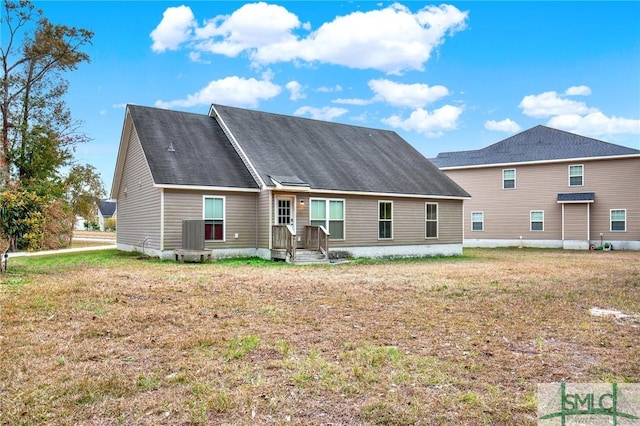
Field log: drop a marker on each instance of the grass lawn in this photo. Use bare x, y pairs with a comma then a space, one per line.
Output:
102, 338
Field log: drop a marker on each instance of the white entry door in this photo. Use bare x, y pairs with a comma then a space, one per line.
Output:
284, 210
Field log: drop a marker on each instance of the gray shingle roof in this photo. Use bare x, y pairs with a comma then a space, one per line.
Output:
539, 143
107, 208
188, 149
569, 197
334, 156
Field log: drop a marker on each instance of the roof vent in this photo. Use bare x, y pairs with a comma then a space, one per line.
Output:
170, 148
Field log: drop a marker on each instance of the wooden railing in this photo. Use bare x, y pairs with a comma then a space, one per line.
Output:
317, 238
284, 238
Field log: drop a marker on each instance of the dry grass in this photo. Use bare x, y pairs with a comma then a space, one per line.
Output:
102, 339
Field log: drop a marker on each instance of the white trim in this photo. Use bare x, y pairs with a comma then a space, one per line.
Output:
385, 220
531, 221
437, 221
234, 142
328, 218
588, 222
577, 202
569, 166
310, 191
387, 194
611, 221
224, 216
293, 200
471, 227
515, 178
205, 188
162, 219
562, 221
559, 160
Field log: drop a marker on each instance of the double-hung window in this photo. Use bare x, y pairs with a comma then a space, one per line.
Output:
576, 175
508, 178
537, 220
618, 220
431, 220
385, 220
477, 221
330, 214
214, 218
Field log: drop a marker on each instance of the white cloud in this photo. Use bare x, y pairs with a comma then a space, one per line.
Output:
253, 26
595, 124
234, 91
326, 89
431, 124
391, 39
407, 95
507, 125
548, 104
324, 113
576, 117
578, 91
353, 101
175, 28
295, 90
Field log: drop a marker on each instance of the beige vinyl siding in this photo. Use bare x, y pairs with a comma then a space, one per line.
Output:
506, 212
138, 201
575, 225
240, 217
361, 221
264, 224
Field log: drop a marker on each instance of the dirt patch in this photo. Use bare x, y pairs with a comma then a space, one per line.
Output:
446, 341
102, 235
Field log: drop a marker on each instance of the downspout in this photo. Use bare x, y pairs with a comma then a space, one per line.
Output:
562, 221
463, 213
161, 221
270, 219
588, 222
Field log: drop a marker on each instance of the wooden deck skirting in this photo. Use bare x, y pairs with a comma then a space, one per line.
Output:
181, 253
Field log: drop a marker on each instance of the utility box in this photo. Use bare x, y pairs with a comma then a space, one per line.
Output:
193, 234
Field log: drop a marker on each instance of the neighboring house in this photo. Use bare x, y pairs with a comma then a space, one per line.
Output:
266, 184
106, 209
549, 188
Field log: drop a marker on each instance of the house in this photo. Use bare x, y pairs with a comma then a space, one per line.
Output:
271, 185
105, 210
549, 188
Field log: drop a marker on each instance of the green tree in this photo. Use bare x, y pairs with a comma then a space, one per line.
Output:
84, 190
20, 214
38, 133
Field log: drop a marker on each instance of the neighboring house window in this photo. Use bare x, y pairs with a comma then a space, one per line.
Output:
330, 214
576, 175
508, 179
214, 218
385, 220
431, 219
477, 221
619, 220
537, 220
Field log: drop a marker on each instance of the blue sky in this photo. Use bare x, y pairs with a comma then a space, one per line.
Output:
445, 76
